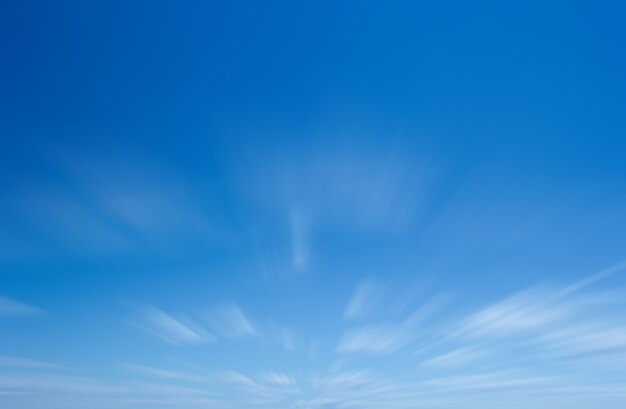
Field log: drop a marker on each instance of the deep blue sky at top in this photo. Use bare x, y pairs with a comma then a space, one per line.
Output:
488, 76
514, 111
531, 92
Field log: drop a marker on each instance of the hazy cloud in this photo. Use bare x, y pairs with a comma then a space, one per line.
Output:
11, 307
456, 357
230, 322
363, 300
14, 362
387, 338
170, 329
300, 239
167, 374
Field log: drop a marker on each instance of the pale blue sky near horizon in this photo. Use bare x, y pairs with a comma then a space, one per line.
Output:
312, 205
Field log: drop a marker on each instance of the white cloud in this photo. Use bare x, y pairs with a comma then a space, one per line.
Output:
11, 307
375, 339
241, 380
112, 204
167, 374
300, 239
536, 346
278, 378
59, 391
495, 380
584, 338
387, 338
350, 186
527, 311
313, 349
267, 390
558, 324
14, 362
344, 379
173, 330
363, 300
457, 357
287, 338
230, 322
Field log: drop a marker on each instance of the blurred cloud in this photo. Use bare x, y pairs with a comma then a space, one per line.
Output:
11, 307
287, 338
313, 349
388, 338
173, 330
349, 379
38, 390
375, 339
230, 322
537, 345
301, 240
527, 311
364, 299
292, 197
15, 362
266, 389
111, 204
227, 205
457, 357
485, 381
278, 378
553, 321
574, 326
167, 374
148, 199
349, 185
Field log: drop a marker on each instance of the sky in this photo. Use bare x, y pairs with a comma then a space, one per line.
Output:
312, 205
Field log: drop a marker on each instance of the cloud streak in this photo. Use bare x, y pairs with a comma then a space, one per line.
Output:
182, 331
534, 347
230, 322
11, 307
363, 300
387, 338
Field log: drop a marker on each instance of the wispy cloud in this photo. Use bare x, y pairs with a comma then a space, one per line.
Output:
300, 239
535, 346
174, 330
113, 204
572, 325
526, 311
230, 322
375, 339
364, 299
15, 362
11, 307
167, 373
278, 378
456, 357
35, 389
265, 390
350, 188
146, 198
357, 388
287, 338
387, 338
552, 322
357, 188
485, 381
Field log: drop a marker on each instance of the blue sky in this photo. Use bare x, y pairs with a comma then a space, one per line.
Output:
312, 205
